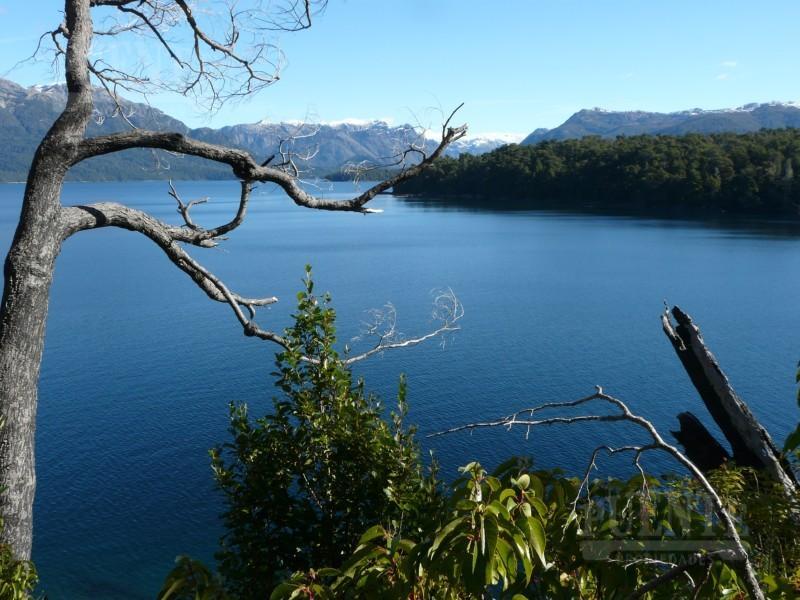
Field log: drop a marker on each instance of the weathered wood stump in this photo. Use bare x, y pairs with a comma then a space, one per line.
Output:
750, 443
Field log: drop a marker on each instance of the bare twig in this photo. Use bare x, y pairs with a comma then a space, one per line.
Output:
448, 311
675, 571
624, 414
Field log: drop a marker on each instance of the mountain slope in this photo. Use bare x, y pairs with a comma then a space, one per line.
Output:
27, 113
604, 123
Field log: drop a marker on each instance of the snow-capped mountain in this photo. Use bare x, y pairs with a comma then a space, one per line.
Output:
27, 113
482, 143
607, 123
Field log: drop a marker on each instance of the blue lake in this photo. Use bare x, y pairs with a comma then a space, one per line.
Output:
139, 365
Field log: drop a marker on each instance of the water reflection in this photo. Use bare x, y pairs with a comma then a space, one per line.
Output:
733, 225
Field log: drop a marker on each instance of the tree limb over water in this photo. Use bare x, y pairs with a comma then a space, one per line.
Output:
214, 57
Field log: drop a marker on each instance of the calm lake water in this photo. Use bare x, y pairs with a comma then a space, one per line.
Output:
139, 366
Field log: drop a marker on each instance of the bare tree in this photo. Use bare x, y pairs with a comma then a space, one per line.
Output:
217, 60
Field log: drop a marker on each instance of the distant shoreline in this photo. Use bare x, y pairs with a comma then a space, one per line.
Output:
520, 205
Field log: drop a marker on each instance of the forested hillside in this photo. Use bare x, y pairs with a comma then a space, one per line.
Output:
751, 173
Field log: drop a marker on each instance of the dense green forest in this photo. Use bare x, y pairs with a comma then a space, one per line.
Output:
752, 173
376, 174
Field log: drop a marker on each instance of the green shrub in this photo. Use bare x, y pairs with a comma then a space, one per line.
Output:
303, 482
18, 578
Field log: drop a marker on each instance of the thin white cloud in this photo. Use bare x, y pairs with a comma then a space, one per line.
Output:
729, 64
722, 76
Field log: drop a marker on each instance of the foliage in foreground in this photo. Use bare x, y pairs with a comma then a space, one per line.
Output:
325, 488
302, 483
521, 534
18, 578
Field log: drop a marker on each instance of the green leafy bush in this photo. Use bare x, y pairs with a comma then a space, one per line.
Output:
18, 578
304, 481
531, 534
493, 536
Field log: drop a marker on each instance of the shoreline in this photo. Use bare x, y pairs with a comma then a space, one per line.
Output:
511, 204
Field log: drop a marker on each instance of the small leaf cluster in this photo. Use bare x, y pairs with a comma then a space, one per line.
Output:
792, 444
18, 578
192, 580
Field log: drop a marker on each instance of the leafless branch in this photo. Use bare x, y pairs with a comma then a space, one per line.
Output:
216, 65
675, 571
247, 169
623, 413
447, 310
414, 148
184, 209
209, 64
290, 151
637, 453
169, 238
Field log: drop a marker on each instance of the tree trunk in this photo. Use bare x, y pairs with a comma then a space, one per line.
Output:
28, 274
751, 443
701, 447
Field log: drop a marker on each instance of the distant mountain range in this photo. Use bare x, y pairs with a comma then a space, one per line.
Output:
606, 123
27, 113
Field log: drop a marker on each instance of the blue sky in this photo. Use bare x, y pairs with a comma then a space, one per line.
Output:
517, 65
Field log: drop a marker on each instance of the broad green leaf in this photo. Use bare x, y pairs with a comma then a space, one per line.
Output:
537, 486
793, 441
494, 483
328, 572
284, 590
372, 533
491, 533
536, 536
444, 532
498, 510
539, 506
522, 550
507, 493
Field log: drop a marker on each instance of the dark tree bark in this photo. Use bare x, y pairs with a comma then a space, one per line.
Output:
701, 447
44, 223
751, 444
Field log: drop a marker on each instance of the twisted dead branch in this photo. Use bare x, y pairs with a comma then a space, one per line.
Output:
525, 418
215, 57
